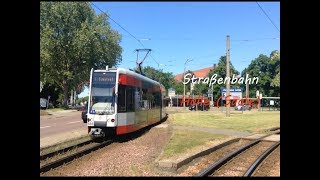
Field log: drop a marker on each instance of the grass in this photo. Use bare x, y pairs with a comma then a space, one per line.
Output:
251, 121
48, 111
183, 140
43, 113
134, 170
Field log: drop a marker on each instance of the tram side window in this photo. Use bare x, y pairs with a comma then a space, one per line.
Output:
130, 98
122, 99
144, 102
151, 100
157, 98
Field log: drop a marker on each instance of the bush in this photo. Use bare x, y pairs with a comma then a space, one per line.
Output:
50, 106
60, 99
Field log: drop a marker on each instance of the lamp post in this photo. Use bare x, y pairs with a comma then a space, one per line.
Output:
184, 86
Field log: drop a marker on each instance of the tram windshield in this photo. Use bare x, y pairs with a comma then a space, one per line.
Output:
103, 93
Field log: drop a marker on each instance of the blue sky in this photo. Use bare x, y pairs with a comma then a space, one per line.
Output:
197, 30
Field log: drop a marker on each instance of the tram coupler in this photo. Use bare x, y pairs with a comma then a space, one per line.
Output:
96, 132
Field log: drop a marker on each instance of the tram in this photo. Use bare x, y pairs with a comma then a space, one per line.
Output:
122, 101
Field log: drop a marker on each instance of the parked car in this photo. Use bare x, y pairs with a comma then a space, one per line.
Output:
201, 107
84, 112
242, 107
43, 103
192, 107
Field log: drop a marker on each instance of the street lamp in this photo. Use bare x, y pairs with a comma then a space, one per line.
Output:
184, 86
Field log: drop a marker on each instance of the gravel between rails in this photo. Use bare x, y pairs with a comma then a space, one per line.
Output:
134, 157
270, 166
201, 163
238, 165
67, 153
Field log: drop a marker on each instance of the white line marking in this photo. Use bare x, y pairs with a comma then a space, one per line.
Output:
45, 127
73, 122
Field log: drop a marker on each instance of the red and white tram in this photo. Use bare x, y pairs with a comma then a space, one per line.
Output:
122, 101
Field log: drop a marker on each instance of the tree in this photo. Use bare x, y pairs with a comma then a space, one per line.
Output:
275, 58
267, 69
72, 41
158, 75
52, 91
200, 89
83, 99
220, 70
178, 86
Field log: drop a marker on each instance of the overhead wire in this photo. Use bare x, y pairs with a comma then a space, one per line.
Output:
267, 16
124, 30
202, 57
254, 39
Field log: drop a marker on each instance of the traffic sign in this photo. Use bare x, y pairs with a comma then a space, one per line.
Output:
235, 93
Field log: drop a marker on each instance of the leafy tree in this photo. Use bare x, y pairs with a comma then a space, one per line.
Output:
83, 99
158, 75
275, 58
72, 41
267, 69
200, 89
52, 91
276, 80
220, 70
178, 86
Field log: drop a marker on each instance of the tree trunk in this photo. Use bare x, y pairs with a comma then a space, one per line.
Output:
65, 94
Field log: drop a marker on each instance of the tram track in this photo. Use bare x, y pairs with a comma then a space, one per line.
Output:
67, 158
58, 158
258, 161
54, 153
241, 162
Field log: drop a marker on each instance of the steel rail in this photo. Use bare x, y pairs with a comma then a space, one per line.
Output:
260, 159
48, 155
69, 158
217, 164
274, 128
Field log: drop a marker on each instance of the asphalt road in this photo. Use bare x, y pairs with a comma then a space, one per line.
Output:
60, 122
65, 121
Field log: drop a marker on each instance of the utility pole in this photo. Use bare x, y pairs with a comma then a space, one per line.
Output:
228, 76
184, 86
247, 96
247, 91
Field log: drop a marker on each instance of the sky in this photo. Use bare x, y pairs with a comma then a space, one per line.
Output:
177, 31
